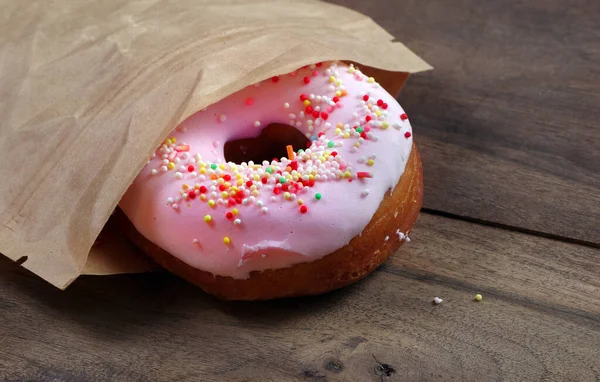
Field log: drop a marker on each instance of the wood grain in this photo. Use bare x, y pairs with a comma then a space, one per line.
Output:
539, 320
509, 120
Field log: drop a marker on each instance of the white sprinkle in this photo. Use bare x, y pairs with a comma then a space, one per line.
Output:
437, 300
237, 222
401, 236
292, 116
222, 118
256, 123
273, 199
286, 105
365, 192
264, 210
154, 171
259, 203
175, 206
386, 238
195, 241
178, 175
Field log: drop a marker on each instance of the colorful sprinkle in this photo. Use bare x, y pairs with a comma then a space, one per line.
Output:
318, 196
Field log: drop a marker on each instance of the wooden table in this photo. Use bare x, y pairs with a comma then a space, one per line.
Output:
509, 130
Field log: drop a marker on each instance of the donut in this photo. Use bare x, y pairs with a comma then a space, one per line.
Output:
298, 185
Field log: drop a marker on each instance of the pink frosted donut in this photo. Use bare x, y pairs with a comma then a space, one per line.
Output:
232, 219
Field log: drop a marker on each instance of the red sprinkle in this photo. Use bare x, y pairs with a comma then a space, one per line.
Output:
306, 80
192, 195
249, 101
315, 73
321, 134
303, 209
238, 200
231, 202
364, 174
229, 215
275, 79
294, 165
285, 187
379, 102
249, 184
263, 180
403, 116
319, 64
384, 106
222, 187
334, 154
407, 134
303, 97
308, 109
363, 135
227, 177
277, 190
368, 118
324, 115
190, 168
311, 183
336, 99
239, 194
365, 98
203, 189
315, 114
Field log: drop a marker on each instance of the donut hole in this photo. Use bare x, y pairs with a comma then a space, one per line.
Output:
269, 144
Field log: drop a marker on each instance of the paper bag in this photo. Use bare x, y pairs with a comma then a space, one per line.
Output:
88, 90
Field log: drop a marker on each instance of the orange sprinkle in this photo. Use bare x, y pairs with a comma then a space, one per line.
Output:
290, 152
344, 93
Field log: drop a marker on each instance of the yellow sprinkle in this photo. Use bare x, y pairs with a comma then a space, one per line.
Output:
167, 142
238, 175
351, 70
222, 167
385, 125
346, 134
227, 184
300, 201
207, 218
256, 177
224, 194
371, 80
286, 195
240, 182
370, 162
378, 113
253, 187
478, 297
171, 165
211, 203
347, 174
220, 181
332, 79
255, 193
196, 186
311, 177
202, 170
338, 93
338, 131
235, 211
306, 102
231, 193
203, 197
339, 125
338, 82
234, 188
226, 240
173, 139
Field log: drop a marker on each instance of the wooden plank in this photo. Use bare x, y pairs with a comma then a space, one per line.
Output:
508, 123
539, 319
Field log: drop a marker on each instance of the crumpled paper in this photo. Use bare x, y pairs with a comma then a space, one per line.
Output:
88, 90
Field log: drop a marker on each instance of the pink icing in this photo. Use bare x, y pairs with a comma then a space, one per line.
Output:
270, 230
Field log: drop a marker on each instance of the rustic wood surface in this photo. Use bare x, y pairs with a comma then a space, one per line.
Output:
509, 121
539, 320
508, 127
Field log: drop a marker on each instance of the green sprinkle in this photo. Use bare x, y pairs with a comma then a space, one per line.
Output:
269, 170
318, 196
360, 129
330, 144
213, 166
300, 151
282, 180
